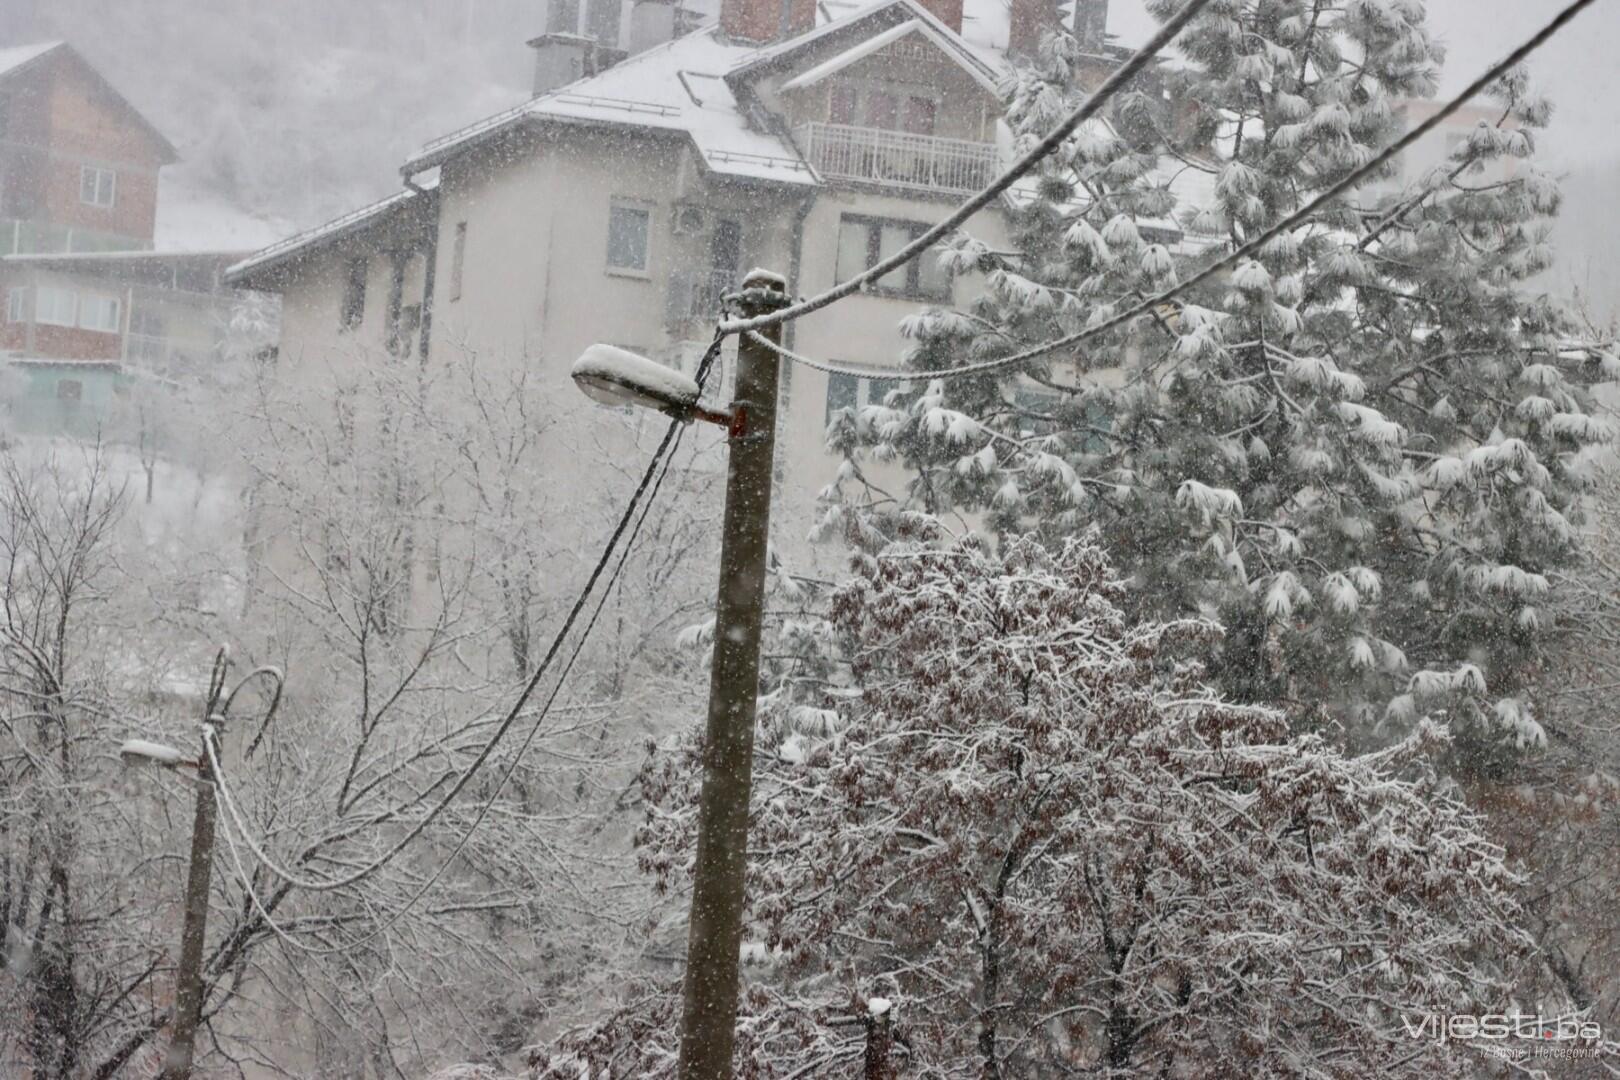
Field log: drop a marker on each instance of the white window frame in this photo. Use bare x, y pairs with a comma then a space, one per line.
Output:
17, 304
89, 302
45, 299
103, 186
644, 208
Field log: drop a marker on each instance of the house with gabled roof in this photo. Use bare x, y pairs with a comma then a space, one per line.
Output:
811, 139
103, 286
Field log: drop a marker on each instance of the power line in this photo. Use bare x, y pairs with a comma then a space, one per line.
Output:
394, 917
1112, 85
1254, 244
651, 474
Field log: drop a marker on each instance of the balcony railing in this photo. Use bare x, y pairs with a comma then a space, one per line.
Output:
897, 158
695, 294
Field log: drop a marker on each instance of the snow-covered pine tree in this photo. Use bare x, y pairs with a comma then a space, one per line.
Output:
1361, 451
1050, 849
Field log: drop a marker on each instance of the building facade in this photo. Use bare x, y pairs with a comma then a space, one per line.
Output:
91, 308
808, 139
78, 164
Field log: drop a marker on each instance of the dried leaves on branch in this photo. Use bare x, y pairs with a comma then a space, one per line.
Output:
1051, 846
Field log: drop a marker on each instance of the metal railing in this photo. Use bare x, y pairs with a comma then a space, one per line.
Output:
695, 294
897, 158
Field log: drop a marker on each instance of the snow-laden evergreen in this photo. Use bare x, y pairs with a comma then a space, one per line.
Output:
1361, 450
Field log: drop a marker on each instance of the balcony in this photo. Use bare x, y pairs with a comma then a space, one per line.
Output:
695, 294
896, 158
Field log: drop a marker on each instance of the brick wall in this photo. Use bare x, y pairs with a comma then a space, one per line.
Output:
60, 119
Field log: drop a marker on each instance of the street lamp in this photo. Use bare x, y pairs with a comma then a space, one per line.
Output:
613, 376
618, 377
188, 993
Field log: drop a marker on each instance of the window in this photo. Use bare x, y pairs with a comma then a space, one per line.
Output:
69, 390
863, 242
99, 313
920, 115
841, 108
627, 237
17, 305
458, 259
881, 110
354, 295
97, 187
55, 307
850, 392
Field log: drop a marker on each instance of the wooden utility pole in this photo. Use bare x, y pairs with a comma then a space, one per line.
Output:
188, 978
709, 1009
188, 993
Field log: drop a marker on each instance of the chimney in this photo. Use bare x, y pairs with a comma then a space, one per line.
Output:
764, 21
1029, 22
652, 22
948, 12
1091, 25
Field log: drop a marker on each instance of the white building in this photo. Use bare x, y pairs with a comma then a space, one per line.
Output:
809, 139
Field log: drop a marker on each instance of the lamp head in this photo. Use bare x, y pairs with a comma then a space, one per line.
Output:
142, 752
617, 377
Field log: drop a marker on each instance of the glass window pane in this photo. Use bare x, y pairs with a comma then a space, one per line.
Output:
87, 185
99, 313
920, 115
852, 240
627, 238
842, 110
932, 280
55, 306
841, 393
894, 237
881, 111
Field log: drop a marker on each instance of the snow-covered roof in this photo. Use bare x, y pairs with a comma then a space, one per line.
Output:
349, 223
191, 219
842, 60
687, 86
987, 64
678, 87
17, 57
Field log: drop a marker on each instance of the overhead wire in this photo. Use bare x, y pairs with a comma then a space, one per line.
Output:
985, 196
668, 459
1293, 221
648, 478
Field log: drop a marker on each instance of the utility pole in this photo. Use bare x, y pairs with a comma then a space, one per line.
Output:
709, 1008
186, 1016
188, 992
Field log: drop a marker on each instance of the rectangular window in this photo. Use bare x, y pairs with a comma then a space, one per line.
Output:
17, 305
97, 312
920, 115
458, 259
69, 390
354, 295
881, 110
842, 391
55, 307
865, 241
841, 107
97, 186
851, 392
627, 237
